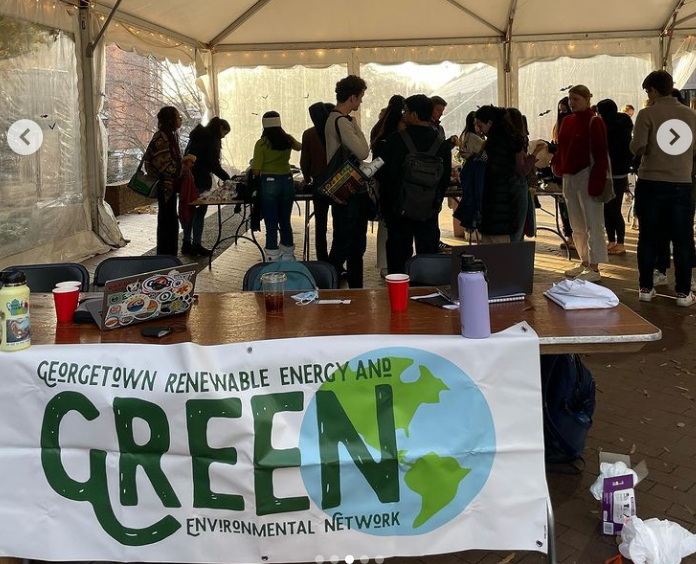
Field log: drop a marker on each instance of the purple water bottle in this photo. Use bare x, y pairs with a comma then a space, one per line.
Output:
473, 299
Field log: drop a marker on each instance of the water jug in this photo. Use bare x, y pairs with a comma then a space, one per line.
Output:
15, 332
473, 299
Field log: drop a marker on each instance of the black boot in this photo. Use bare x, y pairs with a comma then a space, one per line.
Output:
200, 251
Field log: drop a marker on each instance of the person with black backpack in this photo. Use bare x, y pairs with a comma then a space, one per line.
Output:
413, 181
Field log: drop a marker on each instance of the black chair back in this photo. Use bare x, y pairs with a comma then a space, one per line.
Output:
429, 270
44, 277
324, 274
120, 267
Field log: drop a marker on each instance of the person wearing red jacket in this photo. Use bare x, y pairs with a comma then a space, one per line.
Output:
582, 161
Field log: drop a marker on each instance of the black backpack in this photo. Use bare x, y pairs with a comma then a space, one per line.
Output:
568, 392
419, 198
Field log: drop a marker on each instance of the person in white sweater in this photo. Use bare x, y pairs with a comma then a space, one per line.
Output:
350, 220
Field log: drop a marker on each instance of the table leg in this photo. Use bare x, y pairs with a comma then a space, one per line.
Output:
219, 237
551, 532
306, 243
243, 224
557, 214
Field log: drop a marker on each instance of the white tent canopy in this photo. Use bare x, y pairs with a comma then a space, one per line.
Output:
242, 24
216, 35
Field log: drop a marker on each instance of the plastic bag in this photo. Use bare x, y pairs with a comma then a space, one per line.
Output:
655, 541
609, 470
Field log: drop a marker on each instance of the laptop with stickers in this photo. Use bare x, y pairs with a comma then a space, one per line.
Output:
144, 297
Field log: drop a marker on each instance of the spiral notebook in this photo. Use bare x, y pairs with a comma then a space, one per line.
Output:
441, 298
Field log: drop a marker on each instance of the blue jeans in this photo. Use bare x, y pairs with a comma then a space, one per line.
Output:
195, 228
664, 212
277, 197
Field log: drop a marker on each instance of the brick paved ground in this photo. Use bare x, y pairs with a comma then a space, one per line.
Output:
645, 401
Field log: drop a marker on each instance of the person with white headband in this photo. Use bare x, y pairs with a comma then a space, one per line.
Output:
272, 162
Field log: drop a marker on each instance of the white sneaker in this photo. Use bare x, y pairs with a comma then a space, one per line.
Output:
272, 255
287, 252
686, 300
589, 275
575, 271
645, 295
659, 279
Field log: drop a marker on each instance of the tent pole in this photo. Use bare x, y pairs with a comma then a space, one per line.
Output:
507, 54
354, 68
90, 113
238, 22
214, 85
89, 50
668, 30
478, 18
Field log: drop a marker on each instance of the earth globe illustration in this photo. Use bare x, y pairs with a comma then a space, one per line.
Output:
445, 436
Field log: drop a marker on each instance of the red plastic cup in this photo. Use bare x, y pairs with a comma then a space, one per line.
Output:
397, 284
65, 300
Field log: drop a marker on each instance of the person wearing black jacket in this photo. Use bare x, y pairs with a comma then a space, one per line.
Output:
499, 208
619, 132
313, 167
402, 232
205, 142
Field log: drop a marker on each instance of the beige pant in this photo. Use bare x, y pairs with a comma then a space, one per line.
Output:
491, 239
586, 218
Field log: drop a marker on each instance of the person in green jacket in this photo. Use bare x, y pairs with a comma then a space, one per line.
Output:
272, 162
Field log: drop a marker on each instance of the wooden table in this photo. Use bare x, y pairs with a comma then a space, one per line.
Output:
240, 316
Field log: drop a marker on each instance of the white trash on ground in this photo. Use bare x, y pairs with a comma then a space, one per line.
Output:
610, 470
655, 541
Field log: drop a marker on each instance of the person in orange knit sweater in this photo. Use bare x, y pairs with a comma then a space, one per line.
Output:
582, 161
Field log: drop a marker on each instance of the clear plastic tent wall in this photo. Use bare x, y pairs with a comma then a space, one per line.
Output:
44, 212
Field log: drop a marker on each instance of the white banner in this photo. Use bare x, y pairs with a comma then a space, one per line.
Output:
290, 450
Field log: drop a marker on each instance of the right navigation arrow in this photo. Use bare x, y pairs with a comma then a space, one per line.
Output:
676, 136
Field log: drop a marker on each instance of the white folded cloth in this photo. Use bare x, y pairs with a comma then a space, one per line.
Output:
579, 294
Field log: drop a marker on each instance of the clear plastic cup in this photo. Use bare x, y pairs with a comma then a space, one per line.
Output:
273, 286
